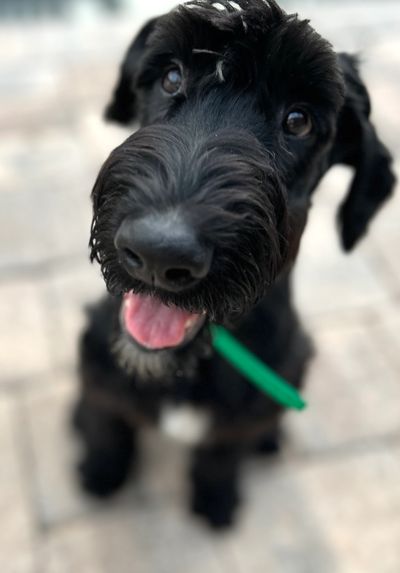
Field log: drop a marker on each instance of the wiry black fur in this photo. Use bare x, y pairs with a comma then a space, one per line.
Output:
217, 153
220, 196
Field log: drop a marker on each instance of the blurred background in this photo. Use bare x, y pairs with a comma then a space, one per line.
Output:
331, 502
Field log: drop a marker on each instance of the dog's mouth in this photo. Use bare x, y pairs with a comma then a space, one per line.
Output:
156, 326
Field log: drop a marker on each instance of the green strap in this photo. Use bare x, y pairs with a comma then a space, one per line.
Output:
255, 370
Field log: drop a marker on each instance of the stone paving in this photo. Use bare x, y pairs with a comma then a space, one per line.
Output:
331, 502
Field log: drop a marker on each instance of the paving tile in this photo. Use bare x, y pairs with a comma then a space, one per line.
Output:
54, 450
357, 504
16, 539
351, 26
130, 538
68, 68
24, 348
387, 330
156, 540
385, 234
352, 390
384, 93
49, 216
386, 242
387, 224
277, 531
326, 279
67, 294
70, 549
338, 515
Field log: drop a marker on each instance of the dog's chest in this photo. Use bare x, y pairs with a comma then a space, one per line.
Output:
184, 422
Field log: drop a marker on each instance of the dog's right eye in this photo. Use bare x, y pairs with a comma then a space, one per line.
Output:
172, 81
298, 123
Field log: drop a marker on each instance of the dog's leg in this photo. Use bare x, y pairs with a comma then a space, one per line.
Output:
108, 439
294, 371
270, 443
215, 477
109, 446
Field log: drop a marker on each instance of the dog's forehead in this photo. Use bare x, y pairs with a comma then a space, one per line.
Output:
254, 42
220, 25
223, 26
238, 25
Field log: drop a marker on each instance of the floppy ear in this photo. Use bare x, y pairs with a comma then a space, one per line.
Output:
122, 107
358, 145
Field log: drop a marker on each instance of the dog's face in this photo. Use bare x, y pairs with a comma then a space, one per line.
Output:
242, 109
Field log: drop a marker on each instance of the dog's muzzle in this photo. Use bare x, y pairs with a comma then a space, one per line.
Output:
187, 230
161, 251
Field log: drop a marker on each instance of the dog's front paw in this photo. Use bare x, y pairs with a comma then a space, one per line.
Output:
102, 475
217, 504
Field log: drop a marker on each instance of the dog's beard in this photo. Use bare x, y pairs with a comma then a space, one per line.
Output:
167, 364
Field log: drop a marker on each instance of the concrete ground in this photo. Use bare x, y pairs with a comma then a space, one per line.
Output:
331, 502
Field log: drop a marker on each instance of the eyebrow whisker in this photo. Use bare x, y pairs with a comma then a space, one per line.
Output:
209, 52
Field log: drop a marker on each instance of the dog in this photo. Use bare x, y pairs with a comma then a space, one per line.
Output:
197, 220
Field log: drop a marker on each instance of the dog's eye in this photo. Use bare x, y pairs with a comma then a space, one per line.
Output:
298, 123
172, 81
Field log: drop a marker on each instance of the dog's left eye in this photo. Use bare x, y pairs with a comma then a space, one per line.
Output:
172, 81
298, 123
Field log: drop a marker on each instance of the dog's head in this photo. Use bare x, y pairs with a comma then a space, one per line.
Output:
242, 109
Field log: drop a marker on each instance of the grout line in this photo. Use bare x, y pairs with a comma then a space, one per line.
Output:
383, 268
39, 379
26, 469
355, 447
38, 270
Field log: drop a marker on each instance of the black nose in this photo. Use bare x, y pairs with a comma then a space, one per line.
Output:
162, 250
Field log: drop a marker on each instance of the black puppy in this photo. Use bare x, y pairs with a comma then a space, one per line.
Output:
198, 218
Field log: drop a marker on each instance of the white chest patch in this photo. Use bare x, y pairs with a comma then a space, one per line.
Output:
184, 423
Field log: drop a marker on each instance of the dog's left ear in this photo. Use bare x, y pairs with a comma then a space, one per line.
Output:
122, 108
358, 145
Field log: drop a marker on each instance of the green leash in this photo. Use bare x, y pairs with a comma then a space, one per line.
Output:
255, 370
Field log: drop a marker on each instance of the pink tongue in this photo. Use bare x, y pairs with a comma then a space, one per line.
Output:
153, 324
